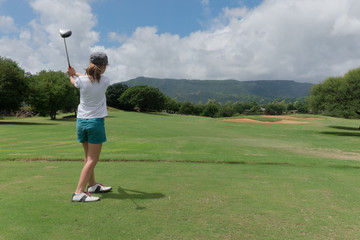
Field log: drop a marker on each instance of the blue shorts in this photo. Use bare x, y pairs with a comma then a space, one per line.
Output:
91, 130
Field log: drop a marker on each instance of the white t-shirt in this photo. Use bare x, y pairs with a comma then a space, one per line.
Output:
92, 97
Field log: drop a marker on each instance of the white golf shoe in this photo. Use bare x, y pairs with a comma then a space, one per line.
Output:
99, 188
84, 197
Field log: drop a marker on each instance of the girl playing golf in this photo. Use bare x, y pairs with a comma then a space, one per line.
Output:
90, 123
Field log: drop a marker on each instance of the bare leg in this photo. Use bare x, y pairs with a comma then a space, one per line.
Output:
92, 181
92, 153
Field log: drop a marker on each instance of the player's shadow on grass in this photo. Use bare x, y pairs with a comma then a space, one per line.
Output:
343, 134
350, 131
25, 123
123, 194
345, 128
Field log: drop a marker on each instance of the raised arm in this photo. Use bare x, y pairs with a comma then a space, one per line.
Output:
72, 74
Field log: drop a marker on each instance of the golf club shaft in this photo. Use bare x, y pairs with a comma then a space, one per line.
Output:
67, 55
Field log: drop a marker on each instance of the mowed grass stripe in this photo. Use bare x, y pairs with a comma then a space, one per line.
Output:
138, 136
181, 201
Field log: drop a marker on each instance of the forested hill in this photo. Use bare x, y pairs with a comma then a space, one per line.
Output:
226, 90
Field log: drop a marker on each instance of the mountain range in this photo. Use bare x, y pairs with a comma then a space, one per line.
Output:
196, 91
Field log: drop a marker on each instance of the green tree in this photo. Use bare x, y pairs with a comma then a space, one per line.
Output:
240, 107
275, 108
329, 97
227, 110
113, 93
317, 99
290, 107
337, 96
72, 101
143, 97
198, 108
255, 108
13, 85
301, 106
171, 105
212, 109
49, 92
187, 108
352, 93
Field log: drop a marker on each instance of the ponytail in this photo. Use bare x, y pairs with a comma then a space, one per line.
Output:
94, 71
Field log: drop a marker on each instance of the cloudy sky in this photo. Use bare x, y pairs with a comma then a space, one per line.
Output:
301, 40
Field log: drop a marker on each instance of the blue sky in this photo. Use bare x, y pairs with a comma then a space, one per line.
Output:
301, 40
180, 17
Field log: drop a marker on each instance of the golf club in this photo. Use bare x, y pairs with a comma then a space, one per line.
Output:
65, 33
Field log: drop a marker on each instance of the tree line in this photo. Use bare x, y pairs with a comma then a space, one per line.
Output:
146, 98
45, 93
48, 92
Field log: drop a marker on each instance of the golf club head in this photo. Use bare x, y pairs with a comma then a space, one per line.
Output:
65, 33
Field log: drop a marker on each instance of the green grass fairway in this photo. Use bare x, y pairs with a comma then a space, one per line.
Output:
181, 201
160, 137
184, 177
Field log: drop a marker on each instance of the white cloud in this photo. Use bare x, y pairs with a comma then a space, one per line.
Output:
7, 24
113, 36
303, 40
39, 46
74, 15
205, 2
